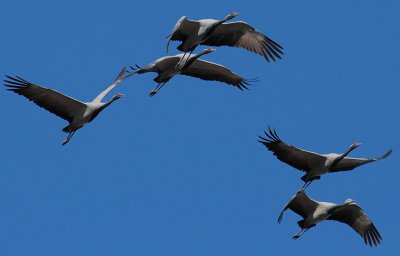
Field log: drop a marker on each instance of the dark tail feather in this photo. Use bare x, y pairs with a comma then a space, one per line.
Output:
67, 128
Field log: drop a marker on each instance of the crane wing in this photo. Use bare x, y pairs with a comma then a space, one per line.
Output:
356, 218
160, 65
164, 63
214, 72
300, 159
53, 101
348, 163
301, 204
241, 34
183, 28
119, 78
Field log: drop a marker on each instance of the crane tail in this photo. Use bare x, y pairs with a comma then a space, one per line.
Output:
67, 128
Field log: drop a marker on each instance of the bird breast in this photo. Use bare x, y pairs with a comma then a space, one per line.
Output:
91, 108
330, 158
204, 26
202, 31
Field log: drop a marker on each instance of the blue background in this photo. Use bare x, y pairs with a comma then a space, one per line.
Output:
182, 173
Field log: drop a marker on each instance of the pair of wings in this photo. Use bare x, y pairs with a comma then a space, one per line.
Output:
234, 34
201, 69
352, 215
53, 101
305, 160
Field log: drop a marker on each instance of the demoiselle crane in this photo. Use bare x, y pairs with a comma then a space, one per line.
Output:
349, 213
217, 33
170, 66
313, 164
77, 113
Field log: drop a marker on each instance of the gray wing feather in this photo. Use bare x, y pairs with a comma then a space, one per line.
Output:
182, 30
300, 159
348, 163
241, 34
53, 101
301, 204
355, 217
214, 72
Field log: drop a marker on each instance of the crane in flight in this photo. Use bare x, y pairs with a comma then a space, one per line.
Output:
349, 213
218, 33
313, 164
76, 112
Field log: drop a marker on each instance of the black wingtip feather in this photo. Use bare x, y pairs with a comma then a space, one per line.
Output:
267, 50
15, 83
246, 83
274, 44
372, 238
23, 80
387, 154
365, 239
369, 242
271, 49
271, 137
377, 232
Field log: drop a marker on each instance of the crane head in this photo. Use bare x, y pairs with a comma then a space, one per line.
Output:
354, 145
209, 49
118, 96
232, 15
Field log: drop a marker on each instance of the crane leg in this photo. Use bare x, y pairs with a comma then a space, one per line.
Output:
306, 185
178, 65
68, 138
155, 90
181, 63
301, 232
190, 54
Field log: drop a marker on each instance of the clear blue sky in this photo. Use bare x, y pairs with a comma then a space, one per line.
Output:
182, 173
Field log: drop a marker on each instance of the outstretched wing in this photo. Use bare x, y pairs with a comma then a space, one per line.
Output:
301, 204
119, 78
183, 28
214, 72
241, 34
53, 101
355, 217
300, 159
348, 163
